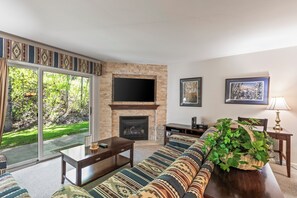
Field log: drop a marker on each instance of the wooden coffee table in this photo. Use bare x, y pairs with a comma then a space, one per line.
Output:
90, 165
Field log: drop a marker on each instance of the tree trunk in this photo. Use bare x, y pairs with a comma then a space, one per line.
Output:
8, 118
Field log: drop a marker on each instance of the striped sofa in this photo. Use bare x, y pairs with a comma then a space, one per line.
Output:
8, 185
179, 169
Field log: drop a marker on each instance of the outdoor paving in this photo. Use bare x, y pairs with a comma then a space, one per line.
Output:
29, 151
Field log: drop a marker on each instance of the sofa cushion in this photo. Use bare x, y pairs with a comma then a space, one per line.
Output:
122, 184
181, 142
71, 191
195, 153
175, 180
20, 193
7, 184
197, 188
157, 163
9, 187
3, 164
128, 181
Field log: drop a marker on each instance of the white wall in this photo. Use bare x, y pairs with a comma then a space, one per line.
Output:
280, 65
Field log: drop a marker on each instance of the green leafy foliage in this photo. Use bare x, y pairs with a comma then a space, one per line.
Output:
23, 109
229, 144
65, 98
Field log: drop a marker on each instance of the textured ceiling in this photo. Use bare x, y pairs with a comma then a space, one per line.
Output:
154, 31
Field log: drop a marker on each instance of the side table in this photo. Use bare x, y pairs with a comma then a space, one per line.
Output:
282, 136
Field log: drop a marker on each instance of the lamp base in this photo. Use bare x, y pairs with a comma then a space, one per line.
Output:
277, 128
277, 122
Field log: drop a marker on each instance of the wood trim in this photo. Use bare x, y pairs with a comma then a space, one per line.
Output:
132, 106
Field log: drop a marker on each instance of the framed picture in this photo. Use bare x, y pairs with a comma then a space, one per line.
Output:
191, 92
247, 91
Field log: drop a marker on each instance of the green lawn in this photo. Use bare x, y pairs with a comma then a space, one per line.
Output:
17, 138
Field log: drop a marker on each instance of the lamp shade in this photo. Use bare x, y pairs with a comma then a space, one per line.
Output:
278, 103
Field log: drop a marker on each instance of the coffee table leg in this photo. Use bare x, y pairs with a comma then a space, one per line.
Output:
132, 155
78, 175
63, 170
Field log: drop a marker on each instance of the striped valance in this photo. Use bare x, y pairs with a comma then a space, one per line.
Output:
20, 51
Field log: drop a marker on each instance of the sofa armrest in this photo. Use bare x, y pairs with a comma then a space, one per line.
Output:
210, 130
199, 184
3, 164
71, 191
181, 142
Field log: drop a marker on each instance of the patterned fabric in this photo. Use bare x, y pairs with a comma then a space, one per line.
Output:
153, 166
3, 164
198, 186
195, 154
181, 142
71, 191
24, 52
9, 187
129, 181
176, 179
210, 130
20, 193
172, 171
122, 184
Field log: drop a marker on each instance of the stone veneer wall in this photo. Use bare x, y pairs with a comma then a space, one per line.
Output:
109, 119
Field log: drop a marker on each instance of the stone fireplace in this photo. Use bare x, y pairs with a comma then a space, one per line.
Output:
134, 127
111, 111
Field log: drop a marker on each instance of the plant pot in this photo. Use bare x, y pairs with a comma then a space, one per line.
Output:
252, 163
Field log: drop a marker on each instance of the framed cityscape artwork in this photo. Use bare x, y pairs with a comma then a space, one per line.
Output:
191, 92
247, 90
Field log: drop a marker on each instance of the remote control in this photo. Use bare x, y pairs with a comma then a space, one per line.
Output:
103, 145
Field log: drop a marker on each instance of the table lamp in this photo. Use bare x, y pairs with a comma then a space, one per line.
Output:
278, 103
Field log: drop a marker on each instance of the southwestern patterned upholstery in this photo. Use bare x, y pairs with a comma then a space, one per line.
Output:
72, 191
3, 164
129, 181
176, 179
138, 176
196, 189
8, 186
172, 171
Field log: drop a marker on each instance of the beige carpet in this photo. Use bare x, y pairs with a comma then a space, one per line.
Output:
287, 185
43, 179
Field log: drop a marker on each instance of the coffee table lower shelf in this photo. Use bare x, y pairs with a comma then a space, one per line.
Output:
99, 169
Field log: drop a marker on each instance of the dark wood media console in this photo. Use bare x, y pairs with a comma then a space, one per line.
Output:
181, 129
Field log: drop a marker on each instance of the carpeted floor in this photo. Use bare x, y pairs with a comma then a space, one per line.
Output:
287, 185
43, 179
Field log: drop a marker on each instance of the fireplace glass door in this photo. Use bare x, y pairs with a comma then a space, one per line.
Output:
134, 127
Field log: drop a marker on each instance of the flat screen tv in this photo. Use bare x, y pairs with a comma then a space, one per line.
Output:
133, 90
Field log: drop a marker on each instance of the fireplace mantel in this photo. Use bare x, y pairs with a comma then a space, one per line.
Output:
133, 106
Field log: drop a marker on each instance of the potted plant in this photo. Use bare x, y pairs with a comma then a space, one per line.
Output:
239, 147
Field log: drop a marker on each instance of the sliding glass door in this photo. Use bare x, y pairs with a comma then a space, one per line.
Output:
19, 141
65, 111
48, 110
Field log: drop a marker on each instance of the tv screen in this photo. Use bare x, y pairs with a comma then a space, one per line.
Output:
133, 90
